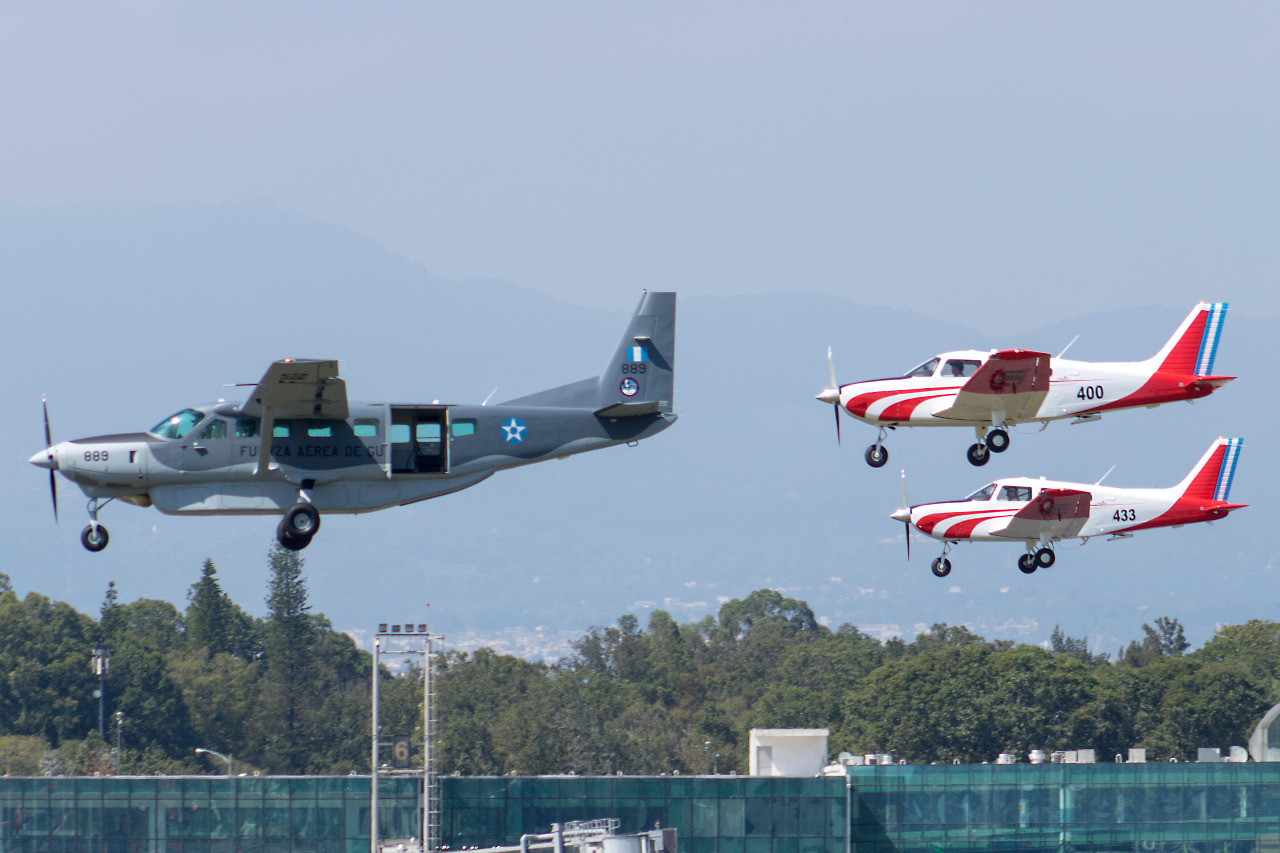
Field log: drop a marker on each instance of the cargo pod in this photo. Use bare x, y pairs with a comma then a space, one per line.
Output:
417, 440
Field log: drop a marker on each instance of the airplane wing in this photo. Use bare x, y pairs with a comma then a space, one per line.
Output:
299, 388
1011, 385
1052, 514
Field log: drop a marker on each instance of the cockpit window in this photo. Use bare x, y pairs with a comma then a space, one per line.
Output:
178, 425
983, 494
1015, 493
960, 367
925, 369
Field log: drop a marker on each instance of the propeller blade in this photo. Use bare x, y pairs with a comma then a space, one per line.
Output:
906, 522
48, 442
835, 387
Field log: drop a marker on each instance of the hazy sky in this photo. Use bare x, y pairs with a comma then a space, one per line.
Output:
991, 163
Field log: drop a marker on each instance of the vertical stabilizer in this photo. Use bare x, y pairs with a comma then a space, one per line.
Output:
640, 377
1210, 479
1193, 347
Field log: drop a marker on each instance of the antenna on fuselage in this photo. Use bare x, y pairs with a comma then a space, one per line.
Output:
1068, 346
1104, 476
490, 397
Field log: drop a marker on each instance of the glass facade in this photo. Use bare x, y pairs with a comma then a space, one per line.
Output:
201, 814
1224, 808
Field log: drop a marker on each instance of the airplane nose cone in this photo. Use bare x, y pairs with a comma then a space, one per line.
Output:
901, 515
829, 395
44, 459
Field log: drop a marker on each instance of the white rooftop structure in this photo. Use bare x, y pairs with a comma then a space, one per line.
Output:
788, 752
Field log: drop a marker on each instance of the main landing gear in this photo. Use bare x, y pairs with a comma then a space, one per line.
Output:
994, 441
1032, 560
94, 537
300, 523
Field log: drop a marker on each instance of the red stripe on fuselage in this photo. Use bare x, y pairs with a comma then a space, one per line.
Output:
904, 409
927, 524
1160, 388
1187, 511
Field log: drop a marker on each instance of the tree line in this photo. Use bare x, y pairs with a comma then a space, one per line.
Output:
288, 694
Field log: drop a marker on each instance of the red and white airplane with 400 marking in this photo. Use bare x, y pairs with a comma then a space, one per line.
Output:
990, 391
1042, 512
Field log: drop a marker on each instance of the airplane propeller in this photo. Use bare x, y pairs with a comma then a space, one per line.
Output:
48, 443
904, 515
832, 394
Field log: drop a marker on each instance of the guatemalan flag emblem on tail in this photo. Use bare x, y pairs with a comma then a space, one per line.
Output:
1227, 472
638, 354
1209, 341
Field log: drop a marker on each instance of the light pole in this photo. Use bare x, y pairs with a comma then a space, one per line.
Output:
119, 727
102, 663
229, 759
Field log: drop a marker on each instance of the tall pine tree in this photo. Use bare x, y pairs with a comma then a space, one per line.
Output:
210, 615
286, 690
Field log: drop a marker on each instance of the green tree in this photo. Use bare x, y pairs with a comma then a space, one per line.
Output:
286, 693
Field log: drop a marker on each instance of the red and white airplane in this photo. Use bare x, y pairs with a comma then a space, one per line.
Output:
990, 391
1041, 512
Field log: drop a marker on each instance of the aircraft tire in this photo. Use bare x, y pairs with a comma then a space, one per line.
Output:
301, 521
1027, 564
877, 455
1045, 558
978, 455
94, 537
941, 567
288, 541
997, 441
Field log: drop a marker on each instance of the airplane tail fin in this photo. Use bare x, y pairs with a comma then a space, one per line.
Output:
1210, 479
640, 377
1193, 346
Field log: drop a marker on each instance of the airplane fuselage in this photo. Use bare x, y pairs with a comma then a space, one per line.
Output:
1076, 389
1111, 512
383, 455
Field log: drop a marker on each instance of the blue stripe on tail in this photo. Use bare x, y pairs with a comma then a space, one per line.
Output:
1228, 470
1209, 340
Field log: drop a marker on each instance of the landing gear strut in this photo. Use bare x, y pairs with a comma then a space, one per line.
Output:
941, 566
95, 537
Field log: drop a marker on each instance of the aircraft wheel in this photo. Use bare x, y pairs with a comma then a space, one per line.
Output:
941, 567
978, 455
1045, 557
997, 441
301, 521
94, 537
1027, 563
877, 455
289, 541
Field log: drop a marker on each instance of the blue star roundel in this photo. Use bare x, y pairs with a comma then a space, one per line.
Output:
513, 431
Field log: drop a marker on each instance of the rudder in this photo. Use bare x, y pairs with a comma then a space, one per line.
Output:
1211, 479
1194, 345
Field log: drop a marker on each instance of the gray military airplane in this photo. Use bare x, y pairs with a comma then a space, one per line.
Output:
297, 448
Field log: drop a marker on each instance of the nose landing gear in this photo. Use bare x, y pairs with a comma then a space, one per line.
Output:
95, 537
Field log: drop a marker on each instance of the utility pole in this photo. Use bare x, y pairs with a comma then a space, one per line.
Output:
101, 664
119, 741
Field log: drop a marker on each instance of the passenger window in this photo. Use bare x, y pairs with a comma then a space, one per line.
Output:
247, 428
400, 433
320, 431
428, 433
281, 429
367, 427
466, 426
960, 367
214, 430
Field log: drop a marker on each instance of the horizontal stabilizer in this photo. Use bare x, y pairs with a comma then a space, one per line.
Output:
629, 410
1011, 385
1052, 514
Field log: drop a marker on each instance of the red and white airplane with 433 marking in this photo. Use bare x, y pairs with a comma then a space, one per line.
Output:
990, 391
1041, 512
